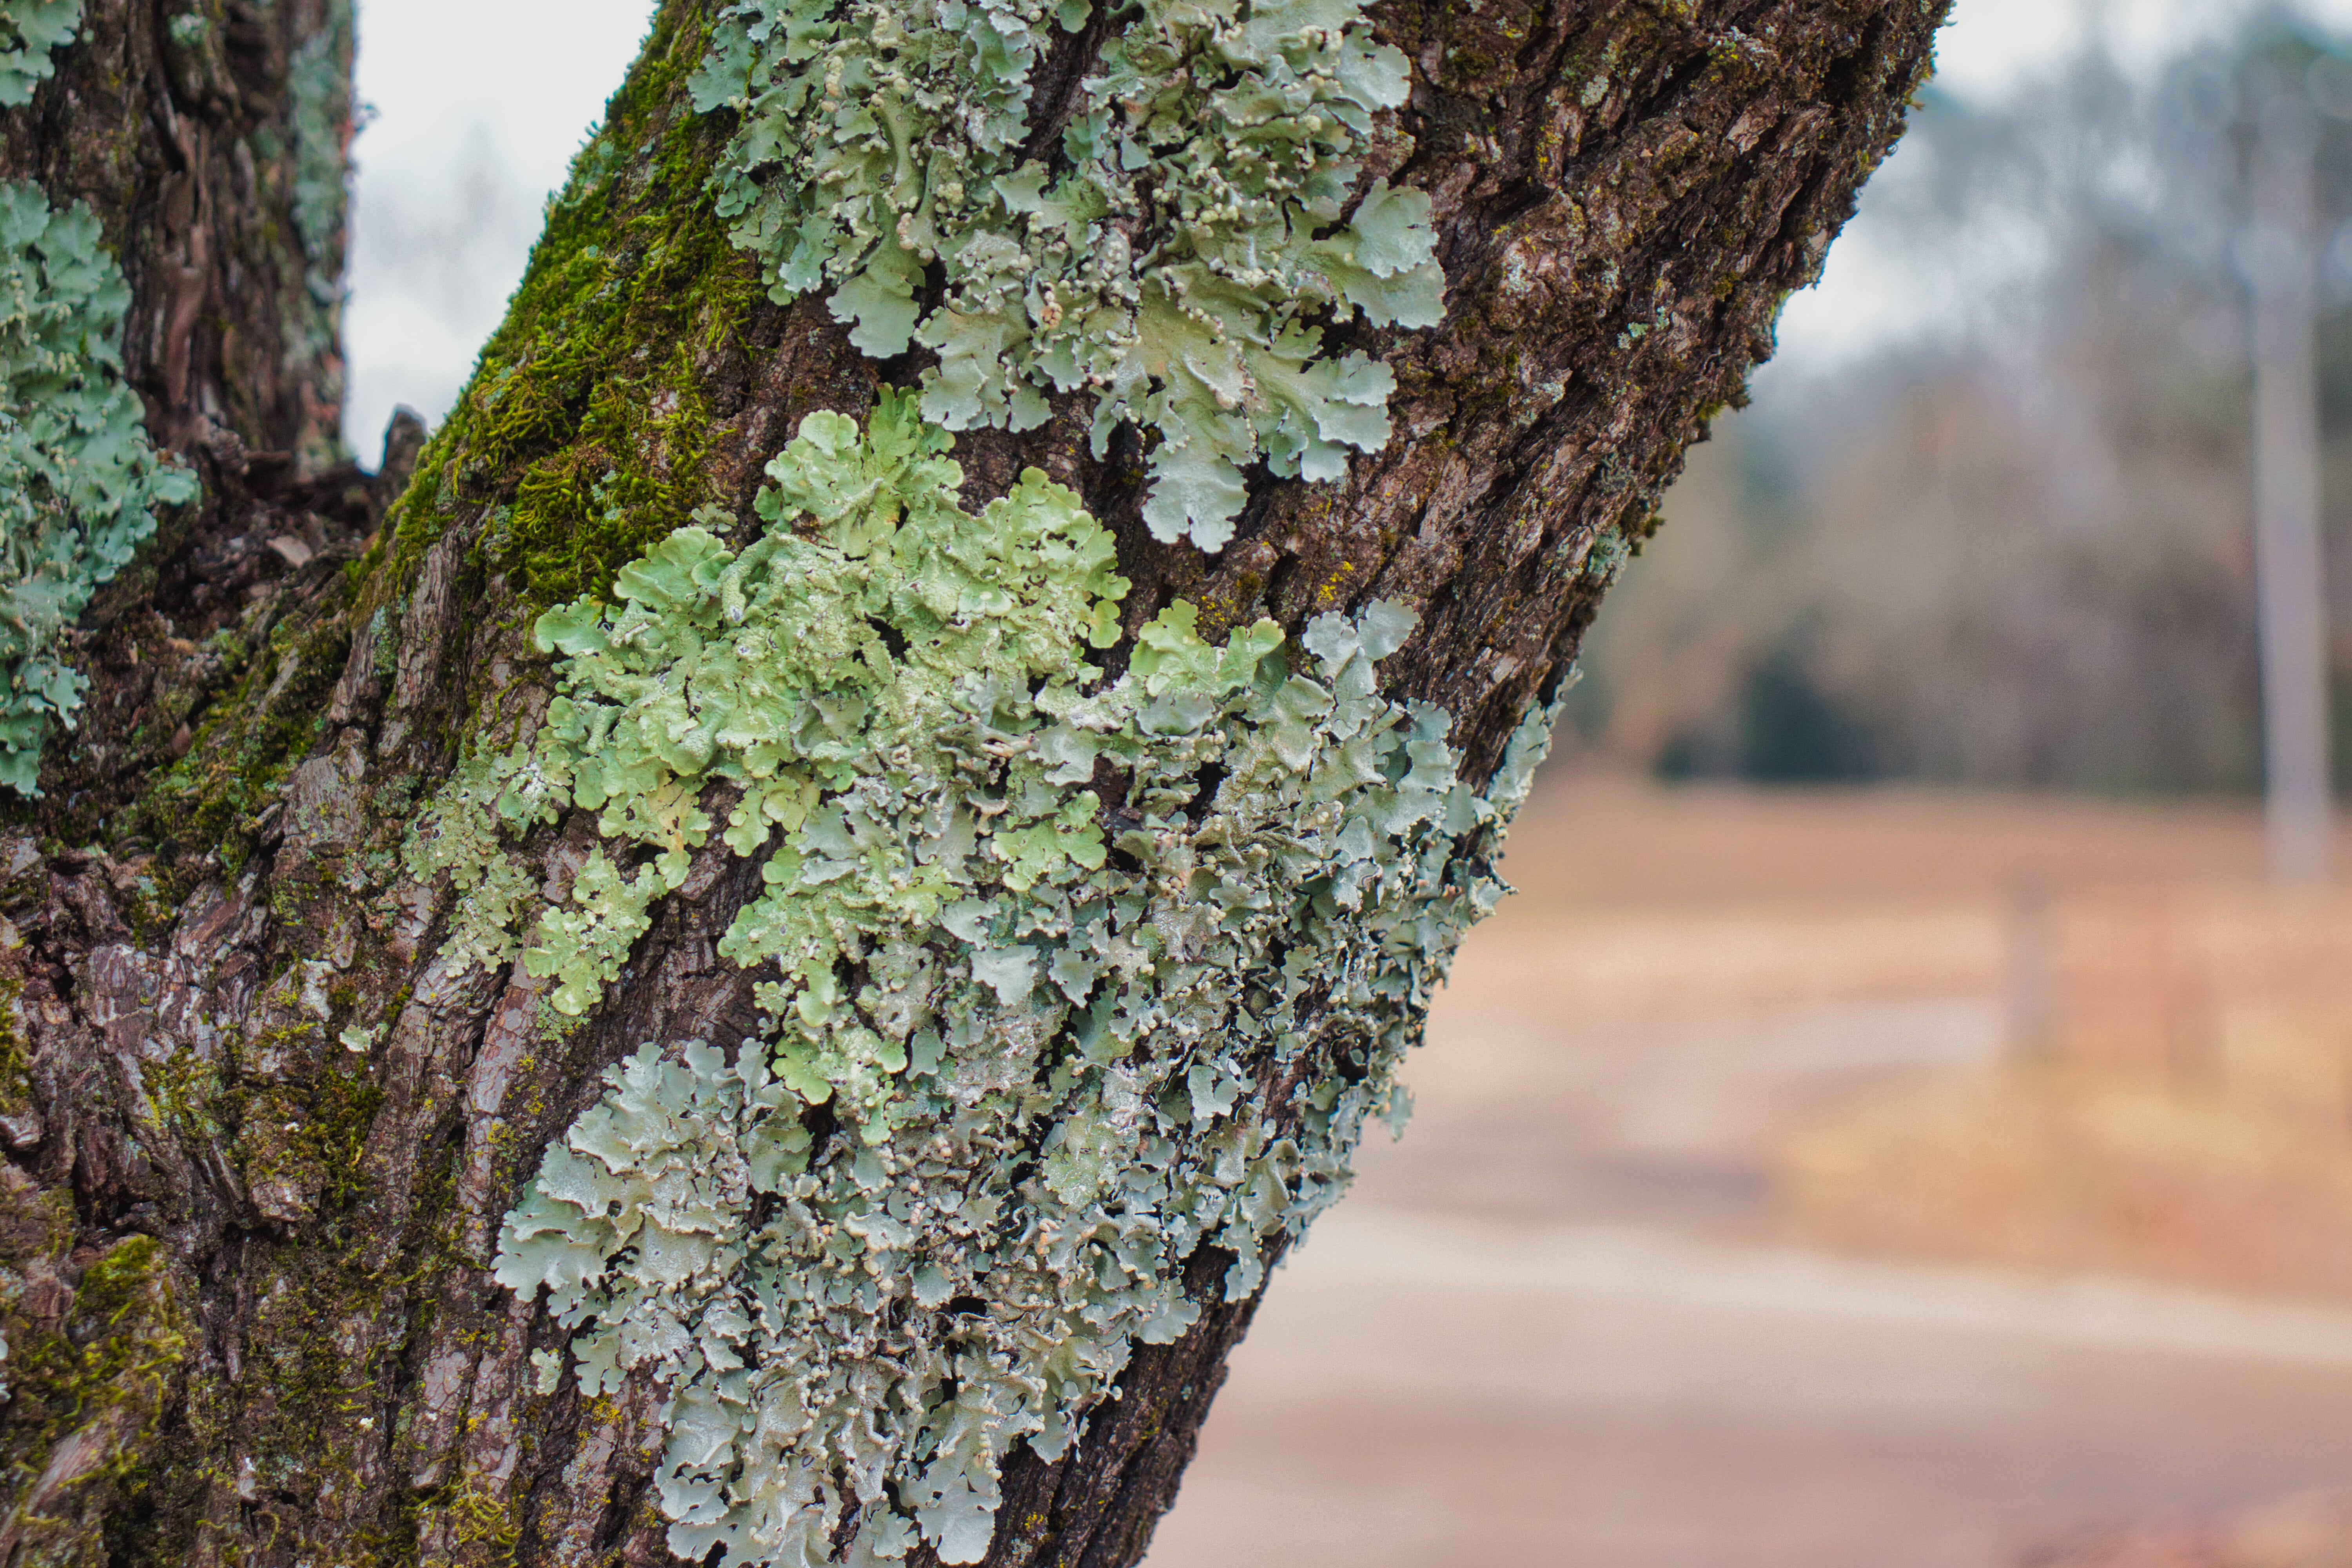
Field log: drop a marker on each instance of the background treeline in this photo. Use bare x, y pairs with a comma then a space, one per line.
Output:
2011, 545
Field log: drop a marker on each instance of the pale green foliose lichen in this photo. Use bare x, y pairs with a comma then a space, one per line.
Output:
30, 32
320, 93
78, 479
1062, 1043
318, 88
1182, 267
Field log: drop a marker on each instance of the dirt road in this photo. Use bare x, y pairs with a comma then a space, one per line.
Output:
1427, 1393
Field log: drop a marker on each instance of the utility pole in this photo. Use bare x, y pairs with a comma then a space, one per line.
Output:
2290, 586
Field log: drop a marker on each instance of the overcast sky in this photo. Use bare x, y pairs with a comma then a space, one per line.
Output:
466, 143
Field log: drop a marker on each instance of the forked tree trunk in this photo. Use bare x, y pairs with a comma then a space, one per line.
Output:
262, 1135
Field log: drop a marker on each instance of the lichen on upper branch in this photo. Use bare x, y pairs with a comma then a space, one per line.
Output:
1179, 261
1062, 1043
318, 83
30, 32
79, 482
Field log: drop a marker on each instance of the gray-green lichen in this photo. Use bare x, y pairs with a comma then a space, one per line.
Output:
78, 481
1180, 268
320, 87
1061, 1042
30, 32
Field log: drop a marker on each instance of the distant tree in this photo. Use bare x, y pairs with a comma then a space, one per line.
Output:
699, 977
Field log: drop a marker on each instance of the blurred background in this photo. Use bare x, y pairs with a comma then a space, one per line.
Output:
1905, 1118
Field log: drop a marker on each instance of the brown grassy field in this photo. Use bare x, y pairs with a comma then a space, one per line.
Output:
2165, 1087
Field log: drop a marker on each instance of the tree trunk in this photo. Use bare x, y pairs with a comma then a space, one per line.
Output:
265, 1124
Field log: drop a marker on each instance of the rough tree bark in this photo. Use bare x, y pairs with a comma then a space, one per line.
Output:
246, 1292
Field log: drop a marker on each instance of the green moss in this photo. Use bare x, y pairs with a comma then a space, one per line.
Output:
632, 467
252, 738
15, 1061
482, 1518
596, 447
104, 1369
302, 1406
309, 1133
